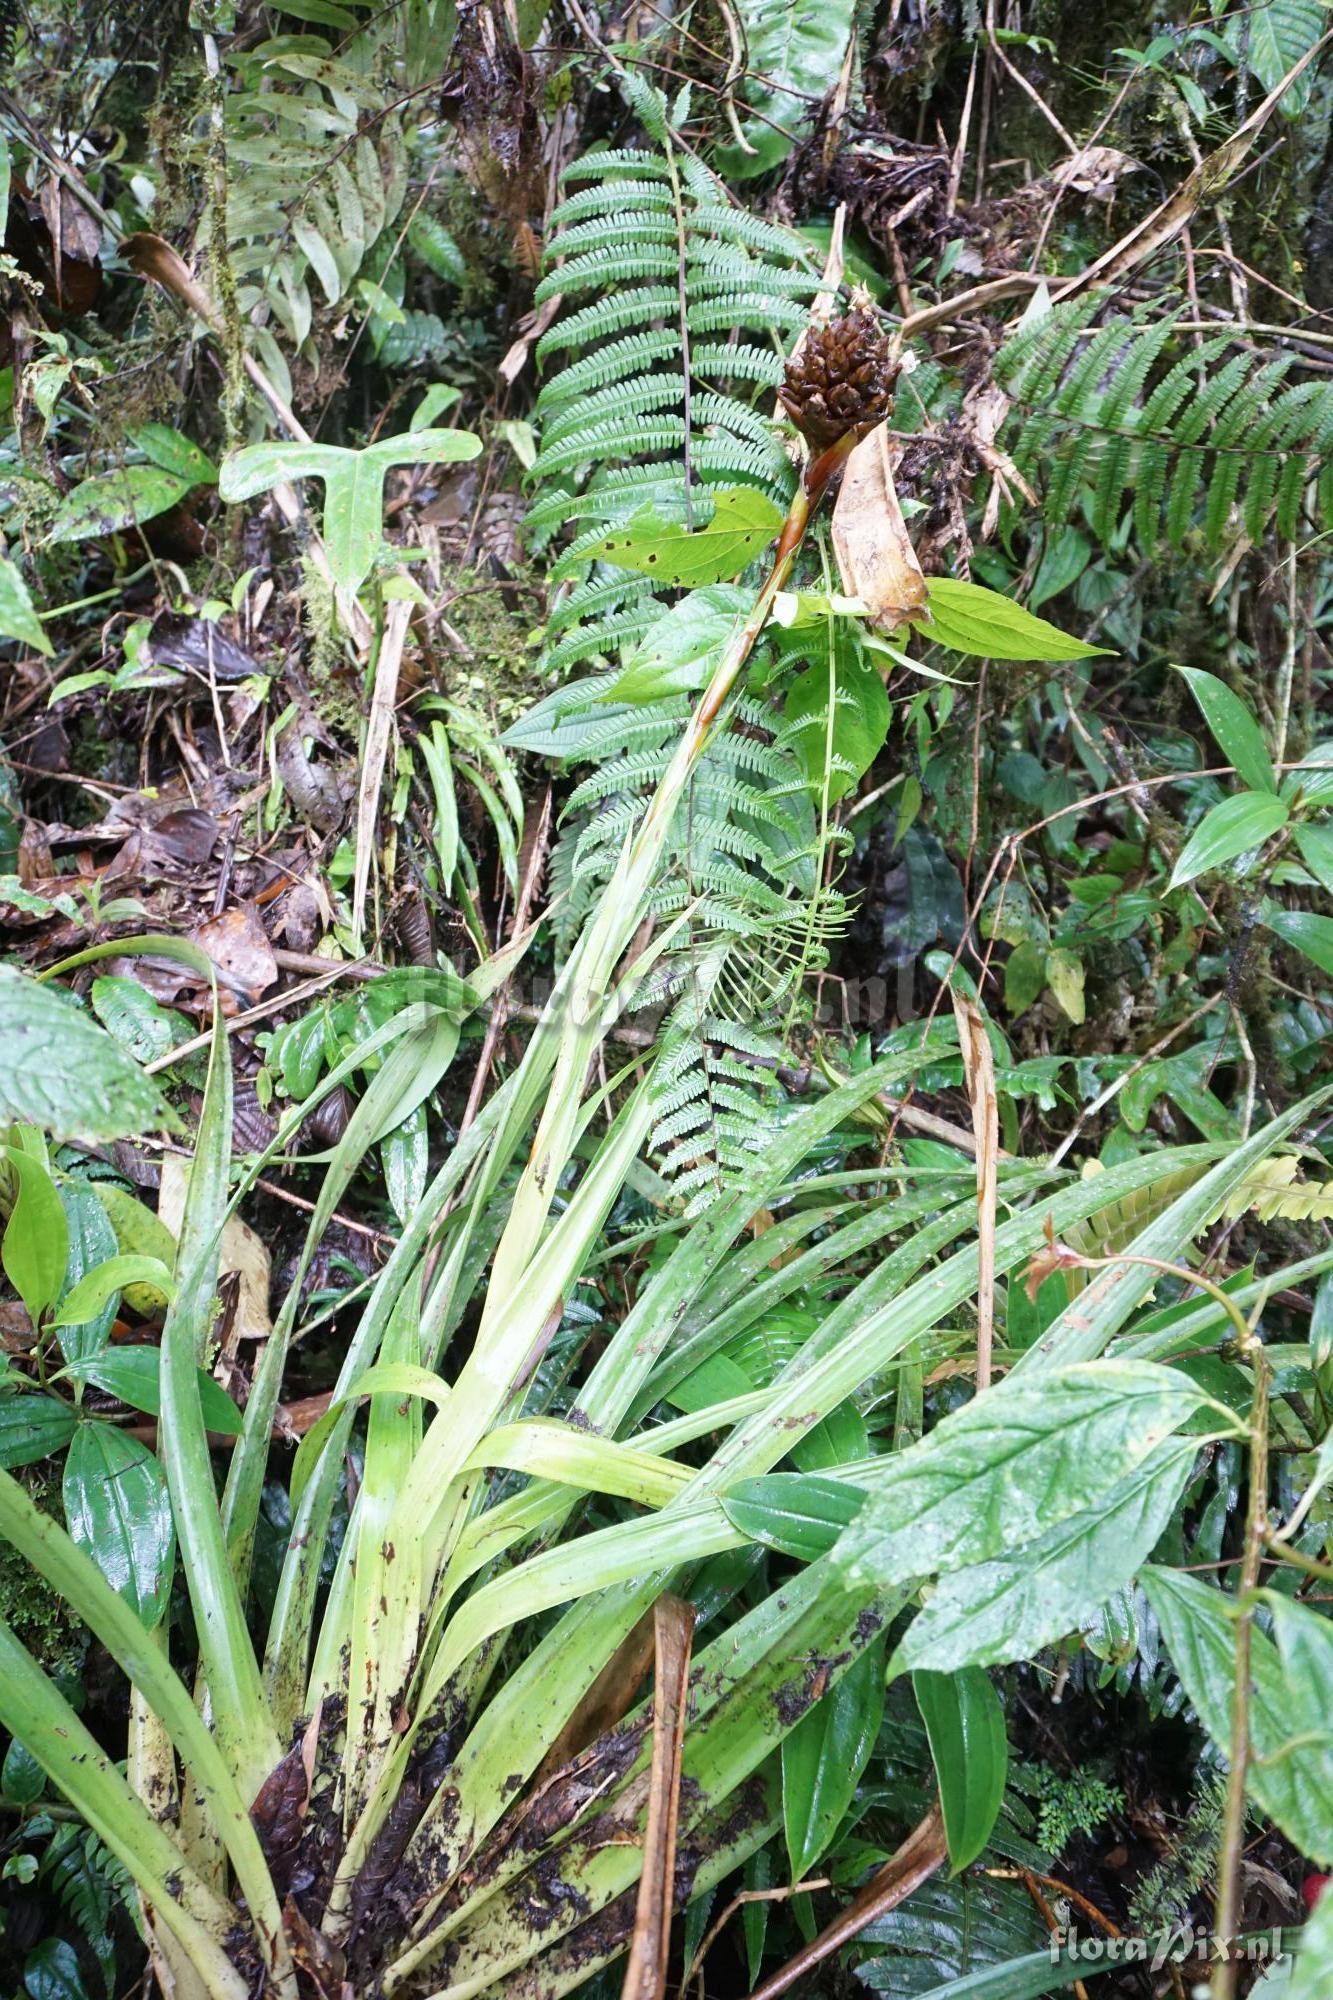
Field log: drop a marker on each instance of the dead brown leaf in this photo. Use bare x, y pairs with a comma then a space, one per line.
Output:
237, 944
646, 1972
979, 1075
242, 1252
876, 560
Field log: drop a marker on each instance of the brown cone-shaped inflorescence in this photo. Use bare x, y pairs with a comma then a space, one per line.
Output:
842, 380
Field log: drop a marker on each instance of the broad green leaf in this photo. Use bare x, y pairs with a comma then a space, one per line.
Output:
92, 1241
33, 1426
353, 486
436, 247
139, 1233
1271, 39
1316, 850
965, 1727
138, 1022
794, 54
1290, 1772
175, 453
824, 1755
1231, 828
51, 1972
1013, 1464
968, 618
110, 501
677, 653
1065, 976
1028, 1978
1238, 735
1063, 561
953, 1928
107, 1281
35, 1249
117, 1508
1032, 1596
405, 1153
61, 1072
18, 619
22, 1778
847, 746
744, 523
134, 1374
800, 1514
1305, 932
1024, 977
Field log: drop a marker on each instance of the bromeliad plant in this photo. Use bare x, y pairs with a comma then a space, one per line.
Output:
434, 1776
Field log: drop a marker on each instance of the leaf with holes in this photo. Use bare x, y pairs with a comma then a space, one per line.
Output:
744, 523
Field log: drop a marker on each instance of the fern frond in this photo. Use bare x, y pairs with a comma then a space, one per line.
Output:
1201, 441
644, 405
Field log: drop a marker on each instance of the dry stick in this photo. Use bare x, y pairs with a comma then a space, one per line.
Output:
964, 124
1164, 223
1047, 1915
262, 1012
383, 700
979, 1075
923, 1851
994, 45
1151, 1054
782, 1894
649, 1953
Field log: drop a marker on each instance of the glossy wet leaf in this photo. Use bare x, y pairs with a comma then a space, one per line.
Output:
33, 1426
1232, 828
1012, 1464
1306, 932
965, 1728
824, 1755
1008, 1609
88, 1300
35, 1247
118, 1510
800, 1514
1237, 734
134, 1374
110, 501
92, 1243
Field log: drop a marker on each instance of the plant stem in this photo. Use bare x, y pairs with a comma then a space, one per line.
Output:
1228, 1912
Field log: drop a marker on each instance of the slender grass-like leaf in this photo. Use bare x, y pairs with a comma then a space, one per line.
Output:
36, 1714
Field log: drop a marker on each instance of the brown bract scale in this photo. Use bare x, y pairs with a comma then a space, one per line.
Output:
841, 381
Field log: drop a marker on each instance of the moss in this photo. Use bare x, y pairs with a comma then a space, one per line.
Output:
39, 1617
